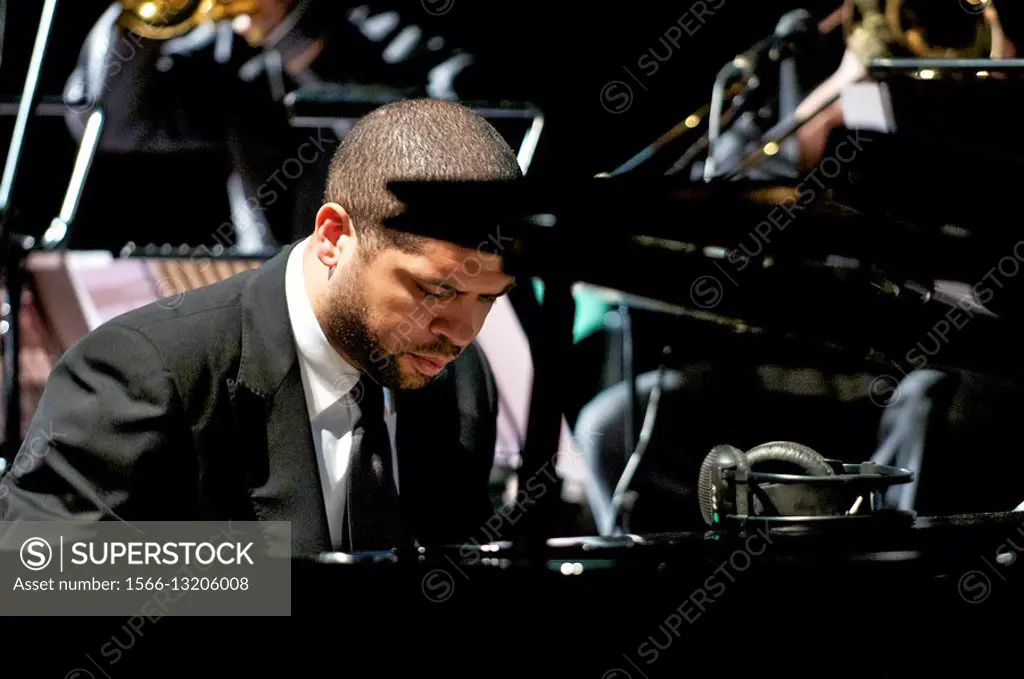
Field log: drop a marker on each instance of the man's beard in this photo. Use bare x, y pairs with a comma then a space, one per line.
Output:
347, 327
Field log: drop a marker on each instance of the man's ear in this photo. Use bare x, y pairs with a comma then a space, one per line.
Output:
333, 235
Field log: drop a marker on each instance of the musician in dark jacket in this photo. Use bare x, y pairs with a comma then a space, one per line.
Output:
214, 101
337, 387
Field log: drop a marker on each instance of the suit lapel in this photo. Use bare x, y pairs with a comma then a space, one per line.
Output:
271, 415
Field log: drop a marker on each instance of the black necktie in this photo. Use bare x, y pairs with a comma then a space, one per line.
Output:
372, 517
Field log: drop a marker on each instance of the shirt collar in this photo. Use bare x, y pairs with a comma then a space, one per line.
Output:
334, 376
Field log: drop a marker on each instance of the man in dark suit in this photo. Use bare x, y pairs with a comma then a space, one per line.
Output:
337, 387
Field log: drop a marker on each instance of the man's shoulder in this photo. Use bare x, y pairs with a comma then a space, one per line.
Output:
183, 311
181, 328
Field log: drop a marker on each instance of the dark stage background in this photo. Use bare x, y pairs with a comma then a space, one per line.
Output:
560, 56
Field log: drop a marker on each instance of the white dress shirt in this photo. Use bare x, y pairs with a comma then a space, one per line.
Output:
327, 380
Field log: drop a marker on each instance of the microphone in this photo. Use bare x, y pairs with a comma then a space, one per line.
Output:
792, 30
788, 31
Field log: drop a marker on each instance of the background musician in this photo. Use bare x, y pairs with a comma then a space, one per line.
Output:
1006, 21
214, 102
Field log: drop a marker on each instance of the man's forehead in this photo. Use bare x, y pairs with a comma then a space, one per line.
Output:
444, 263
450, 257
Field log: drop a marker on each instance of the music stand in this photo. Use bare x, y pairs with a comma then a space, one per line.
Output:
327, 105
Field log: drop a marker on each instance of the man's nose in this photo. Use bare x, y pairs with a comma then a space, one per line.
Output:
459, 326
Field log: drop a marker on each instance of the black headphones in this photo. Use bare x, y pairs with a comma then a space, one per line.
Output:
714, 493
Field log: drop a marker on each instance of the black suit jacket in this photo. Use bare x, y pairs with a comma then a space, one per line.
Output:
196, 411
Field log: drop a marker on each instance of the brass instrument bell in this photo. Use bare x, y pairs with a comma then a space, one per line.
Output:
166, 19
926, 29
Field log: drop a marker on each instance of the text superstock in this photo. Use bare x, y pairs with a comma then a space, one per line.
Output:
154, 568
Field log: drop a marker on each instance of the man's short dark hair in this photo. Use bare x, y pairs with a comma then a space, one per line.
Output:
414, 139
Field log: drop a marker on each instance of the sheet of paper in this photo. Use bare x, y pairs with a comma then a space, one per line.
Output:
866, 106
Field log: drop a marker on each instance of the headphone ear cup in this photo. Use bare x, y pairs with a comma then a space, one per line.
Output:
710, 485
812, 462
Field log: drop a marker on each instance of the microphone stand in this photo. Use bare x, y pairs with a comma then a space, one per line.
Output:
669, 138
718, 115
852, 70
57, 235
778, 134
14, 244
727, 72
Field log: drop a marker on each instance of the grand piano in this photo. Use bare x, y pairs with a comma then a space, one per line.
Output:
879, 592
771, 584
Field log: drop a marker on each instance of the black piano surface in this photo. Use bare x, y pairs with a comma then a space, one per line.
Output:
850, 599
876, 598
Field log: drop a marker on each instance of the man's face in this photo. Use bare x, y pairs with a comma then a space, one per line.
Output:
403, 317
